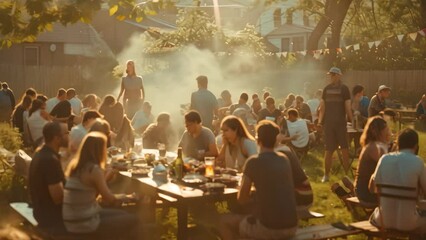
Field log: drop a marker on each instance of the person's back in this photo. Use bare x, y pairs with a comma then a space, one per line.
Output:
272, 178
5, 106
205, 103
402, 169
46, 178
299, 128
45, 169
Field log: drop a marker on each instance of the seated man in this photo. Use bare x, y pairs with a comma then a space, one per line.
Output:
303, 108
269, 112
296, 134
421, 114
302, 186
197, 141
142, 118
46, 178
271, 174
404, 169
79, 131
157, 132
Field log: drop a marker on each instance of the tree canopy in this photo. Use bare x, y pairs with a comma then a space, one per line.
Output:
23, 20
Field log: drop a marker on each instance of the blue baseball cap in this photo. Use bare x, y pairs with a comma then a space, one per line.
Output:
335, 70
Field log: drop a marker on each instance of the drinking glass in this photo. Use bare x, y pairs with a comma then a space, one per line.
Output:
162, 149
209, 163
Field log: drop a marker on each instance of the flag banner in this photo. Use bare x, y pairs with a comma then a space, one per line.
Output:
377, 43
422, 32
413, 36
400, 37
356, 47
370, 44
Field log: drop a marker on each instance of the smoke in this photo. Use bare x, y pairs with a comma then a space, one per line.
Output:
169, 78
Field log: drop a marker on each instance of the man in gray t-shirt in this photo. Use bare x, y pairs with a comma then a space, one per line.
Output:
204, 102
197, 141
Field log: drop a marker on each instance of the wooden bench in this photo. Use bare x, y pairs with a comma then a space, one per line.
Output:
372, 231
26, 212
325, 231
320, 232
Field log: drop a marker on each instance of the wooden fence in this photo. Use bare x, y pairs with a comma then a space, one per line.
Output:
407, 85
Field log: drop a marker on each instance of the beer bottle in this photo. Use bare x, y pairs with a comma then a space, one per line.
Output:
179, 165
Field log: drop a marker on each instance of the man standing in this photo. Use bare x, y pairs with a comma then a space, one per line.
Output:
271, 174
46, 178
197, 141
6, 103
76, 103
334, 106
406, 170
377, 103
204, 102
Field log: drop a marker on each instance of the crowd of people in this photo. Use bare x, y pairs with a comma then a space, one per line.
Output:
262, 140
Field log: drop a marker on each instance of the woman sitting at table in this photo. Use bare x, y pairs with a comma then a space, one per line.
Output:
238, 144
374, 142
86, 179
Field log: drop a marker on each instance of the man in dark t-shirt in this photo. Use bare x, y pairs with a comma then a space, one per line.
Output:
334, 106
275, 215
270, 112
46, 178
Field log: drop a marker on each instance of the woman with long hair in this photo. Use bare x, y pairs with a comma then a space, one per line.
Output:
132, 87
85, 181
375, 141
238, 144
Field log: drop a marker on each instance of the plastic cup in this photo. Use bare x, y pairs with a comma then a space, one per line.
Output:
209, 163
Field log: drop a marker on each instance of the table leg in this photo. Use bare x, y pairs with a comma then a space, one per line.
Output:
182, 231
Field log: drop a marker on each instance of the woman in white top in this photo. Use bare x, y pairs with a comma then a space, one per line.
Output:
86, 180
37, 118
133, 90
238, 144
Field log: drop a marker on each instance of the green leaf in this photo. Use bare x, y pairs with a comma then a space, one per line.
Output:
139, 19
113, 10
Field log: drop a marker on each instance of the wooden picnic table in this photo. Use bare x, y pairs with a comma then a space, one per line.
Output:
184, 196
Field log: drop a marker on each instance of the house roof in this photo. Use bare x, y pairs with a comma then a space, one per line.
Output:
72, 33
290, 29
78, 39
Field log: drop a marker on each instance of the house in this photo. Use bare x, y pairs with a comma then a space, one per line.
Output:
64, 57
287, 30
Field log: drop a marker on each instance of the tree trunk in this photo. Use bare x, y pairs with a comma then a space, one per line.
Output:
423, 14
339, 12
334, 14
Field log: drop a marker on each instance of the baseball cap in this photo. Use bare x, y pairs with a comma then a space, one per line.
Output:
383, 87
335, 70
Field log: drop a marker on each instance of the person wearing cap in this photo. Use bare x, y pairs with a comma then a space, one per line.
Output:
334, 106
204, 102
377, 103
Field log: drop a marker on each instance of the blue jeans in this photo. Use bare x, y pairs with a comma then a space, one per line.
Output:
117, 224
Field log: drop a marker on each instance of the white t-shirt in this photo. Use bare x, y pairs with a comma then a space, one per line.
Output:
404, 169
35, 124
76, 135
76, 105
300, 128
313, 105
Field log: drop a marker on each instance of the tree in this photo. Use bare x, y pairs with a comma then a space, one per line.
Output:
22, 21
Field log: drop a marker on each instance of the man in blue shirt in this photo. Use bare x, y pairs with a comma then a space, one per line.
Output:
204, 102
